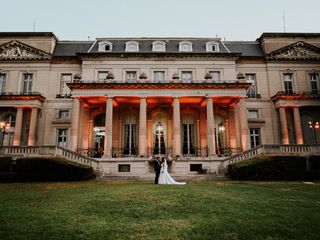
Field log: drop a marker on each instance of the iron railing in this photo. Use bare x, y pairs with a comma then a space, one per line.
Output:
124, 152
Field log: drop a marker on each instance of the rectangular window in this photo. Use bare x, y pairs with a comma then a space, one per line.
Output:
102, 76
215, 76
131, 76
287, 82
314, 83
65, 78
62, 137
63, 114
186, 76
254, 137
252, 91
2, 82
27, 83
253, 113
124, 168
158, 76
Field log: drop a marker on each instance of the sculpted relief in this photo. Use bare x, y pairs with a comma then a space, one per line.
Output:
18, 51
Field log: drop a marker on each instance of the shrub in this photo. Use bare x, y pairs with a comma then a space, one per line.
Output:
7, 177
51, 169
272, 168
5, 164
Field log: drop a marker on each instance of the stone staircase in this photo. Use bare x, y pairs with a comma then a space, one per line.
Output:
49, 151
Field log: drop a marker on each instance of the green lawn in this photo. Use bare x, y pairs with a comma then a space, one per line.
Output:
140, 210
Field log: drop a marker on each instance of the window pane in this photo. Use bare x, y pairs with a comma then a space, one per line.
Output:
158, 76
251, 78
186, 76
314, 82
131, 76
215, 75
288, 86
253, 114
102, 76
27, 83
2, 82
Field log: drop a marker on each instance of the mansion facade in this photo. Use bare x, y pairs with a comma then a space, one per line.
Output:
125, 100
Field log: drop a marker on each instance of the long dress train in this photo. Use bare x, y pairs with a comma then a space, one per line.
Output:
165, 177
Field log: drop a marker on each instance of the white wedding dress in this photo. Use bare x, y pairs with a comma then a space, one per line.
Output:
165, 177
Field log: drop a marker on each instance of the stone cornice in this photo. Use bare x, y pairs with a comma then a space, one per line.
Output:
94, 85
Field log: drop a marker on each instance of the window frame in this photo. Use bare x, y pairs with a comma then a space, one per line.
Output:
132, 43
252, 91
211, 72
3, 82
65, 136
63, 84
316, 81
184, 72
154, 76
211, 44
254, 136
27, 83
126, 79
287, 91
181, 49
163, 45
253, 110
102, 46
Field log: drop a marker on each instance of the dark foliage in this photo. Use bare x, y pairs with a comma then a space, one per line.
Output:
51, 169
273, 168
5, 164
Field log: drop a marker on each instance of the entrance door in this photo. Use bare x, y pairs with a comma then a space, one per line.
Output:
159, 134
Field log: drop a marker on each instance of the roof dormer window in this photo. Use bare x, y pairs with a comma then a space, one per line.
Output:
132, 46
212, 47
185, 46
158, 46
105, 46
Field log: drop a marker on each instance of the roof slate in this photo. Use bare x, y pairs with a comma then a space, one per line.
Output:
71, 48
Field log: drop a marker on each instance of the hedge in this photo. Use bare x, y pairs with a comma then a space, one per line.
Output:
51, 169
5, 164
273, 168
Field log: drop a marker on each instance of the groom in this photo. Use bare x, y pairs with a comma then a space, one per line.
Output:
157, 169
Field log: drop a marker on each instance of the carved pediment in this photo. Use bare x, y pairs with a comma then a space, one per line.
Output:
15, 50
296, 52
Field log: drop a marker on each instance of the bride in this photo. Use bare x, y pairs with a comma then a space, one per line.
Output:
165, 177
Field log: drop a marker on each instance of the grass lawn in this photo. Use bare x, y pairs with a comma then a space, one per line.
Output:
140, 210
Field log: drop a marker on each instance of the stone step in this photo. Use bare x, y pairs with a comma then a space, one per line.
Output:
151, 177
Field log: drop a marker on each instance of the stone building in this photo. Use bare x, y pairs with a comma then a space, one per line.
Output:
126, 100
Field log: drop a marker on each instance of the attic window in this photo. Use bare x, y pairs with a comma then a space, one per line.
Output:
132, 46
158, 46
185, 46
212, 47
105, 46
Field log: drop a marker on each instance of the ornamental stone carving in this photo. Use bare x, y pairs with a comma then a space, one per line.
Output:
15, 50
296, 51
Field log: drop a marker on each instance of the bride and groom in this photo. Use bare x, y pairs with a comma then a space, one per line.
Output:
162, 174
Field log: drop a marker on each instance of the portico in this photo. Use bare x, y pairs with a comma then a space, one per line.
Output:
163, 119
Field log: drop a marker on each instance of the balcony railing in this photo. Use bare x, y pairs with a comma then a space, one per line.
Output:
293, 93
64, 95
253, 95
157, 81
20, 94
124, 152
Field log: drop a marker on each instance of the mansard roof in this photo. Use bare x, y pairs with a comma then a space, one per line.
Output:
245, 48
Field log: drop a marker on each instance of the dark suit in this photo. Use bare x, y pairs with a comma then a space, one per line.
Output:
157, 169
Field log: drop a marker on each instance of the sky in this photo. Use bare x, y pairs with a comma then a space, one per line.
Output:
228, 19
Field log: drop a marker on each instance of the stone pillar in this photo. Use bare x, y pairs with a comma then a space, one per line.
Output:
18, 127
210, 128
149, 132
143, 128
284, 127
108, 129
90, 134
232, 129
176, 126
198, 133
243, 125
297, 125
33, 126
75, 124
227, 143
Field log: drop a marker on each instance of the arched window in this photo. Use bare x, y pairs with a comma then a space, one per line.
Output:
158, 46
212, 47
185, 46
132, 46
105, 46
130, 134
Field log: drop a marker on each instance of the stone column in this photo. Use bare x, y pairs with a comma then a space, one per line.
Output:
198, 133
176, 126
243, 125
108, 129
284, 127
33, 126
149, 133
297, 125
90, 134
232, 129
210, 128
75, 124
143, 128
18, 127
